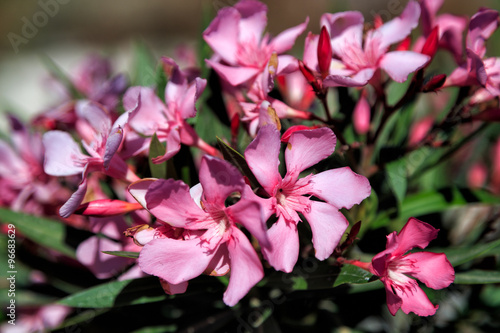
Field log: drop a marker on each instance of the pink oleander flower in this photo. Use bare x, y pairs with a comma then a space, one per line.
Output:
357, 58
241, 52
450, 27
25, 185
288, 196
395, 269
149, 115
213, 243
64, 158
478, 70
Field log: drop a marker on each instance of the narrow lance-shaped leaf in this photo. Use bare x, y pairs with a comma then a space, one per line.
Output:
59, 74
477, 277
124, 254
156, 148
43, 231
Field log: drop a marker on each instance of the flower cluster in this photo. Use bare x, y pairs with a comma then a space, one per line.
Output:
310, 145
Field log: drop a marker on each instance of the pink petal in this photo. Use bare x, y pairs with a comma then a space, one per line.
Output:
103, 265
253, 20
62, 154
310, 57
76, 198
170, 201
340, 187
399, 64
234, 75
220, 263
175, 261
398, 28
414, 234
415, 300
287, 64
393, 301
112, 144
222, 34
336, 24
139, 189
246, 268
96, 115
248, 213
284, 239
433, 269
477, 68
150, 112
327, 226
286, 39
308, 147
262, 156
173, 145
187, 108
173, 289
360, 79
219, 179
11, 165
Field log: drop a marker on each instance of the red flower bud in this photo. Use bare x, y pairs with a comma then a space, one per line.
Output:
107, 207
361, 116
308, 74
324, 52
434, 83
431, 43
404, 45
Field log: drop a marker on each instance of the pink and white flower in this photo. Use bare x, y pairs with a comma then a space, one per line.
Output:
289, 196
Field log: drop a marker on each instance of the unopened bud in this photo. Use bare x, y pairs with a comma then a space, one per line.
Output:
325, 53
404, 45
361, 116
107, 207
434, 83
142, 234
310, 78
431, 43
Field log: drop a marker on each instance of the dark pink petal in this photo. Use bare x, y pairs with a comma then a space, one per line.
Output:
399, 64
416, 301
327, 226
76, 198
170, 201
262, 156
414, 234
477, 68
249, 214
340, 187
246, 268
286, 39
234, 75
222, 34
62, 154
433, 269
393, 301
398, 28
306, 148
219, 179
103, 265
173, 289
284, 239
175, 261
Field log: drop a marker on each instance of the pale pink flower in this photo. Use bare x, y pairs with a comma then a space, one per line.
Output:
241, 51
356, 58
394, 267
149, 115
288, 196
63, 156
214, 243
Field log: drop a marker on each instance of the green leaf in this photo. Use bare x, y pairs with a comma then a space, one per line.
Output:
235, 158
156, 148
428, 202
144, 65
158, 329
43, 231
458, 256
299, 283
118, 293
124, 254
353, 275
477, 277
396, 177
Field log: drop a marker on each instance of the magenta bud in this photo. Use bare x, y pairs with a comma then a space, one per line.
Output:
107, 207
325, 53
361, 116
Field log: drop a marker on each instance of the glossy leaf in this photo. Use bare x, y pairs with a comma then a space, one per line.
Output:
235, 158
156, 148
352, 274
43, 231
